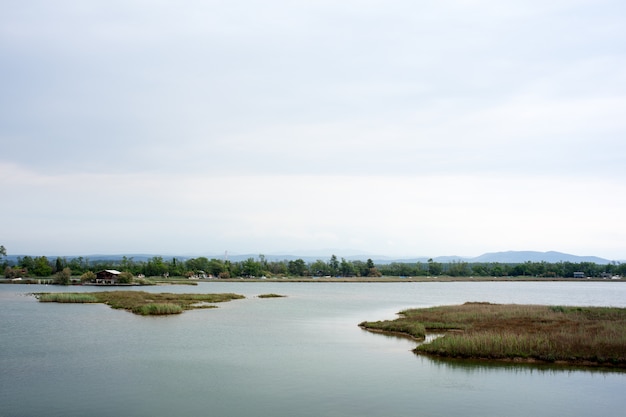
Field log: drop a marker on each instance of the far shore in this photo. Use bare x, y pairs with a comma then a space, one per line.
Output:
391, 279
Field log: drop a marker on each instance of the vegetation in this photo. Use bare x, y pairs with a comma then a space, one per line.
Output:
141, 302
271, 295
577, 335
160, 269
67, 298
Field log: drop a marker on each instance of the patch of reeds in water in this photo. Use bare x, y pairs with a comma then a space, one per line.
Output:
580, 335
66, 298
157, 309
271, 295
403, 326
141, 302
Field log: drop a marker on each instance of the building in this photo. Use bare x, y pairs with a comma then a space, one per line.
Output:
579, 274
108, 276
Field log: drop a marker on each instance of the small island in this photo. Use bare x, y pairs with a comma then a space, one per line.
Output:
587, 336
141, 302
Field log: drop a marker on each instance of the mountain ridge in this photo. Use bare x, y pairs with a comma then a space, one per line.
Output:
507, 257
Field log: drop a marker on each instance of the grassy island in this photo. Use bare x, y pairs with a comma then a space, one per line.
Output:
567, 335
141, 302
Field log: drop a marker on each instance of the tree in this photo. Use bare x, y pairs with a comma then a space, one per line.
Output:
346, 268
26, 262
250, 268
3, 254
319, 268
297, 267
333, 265
434, 268
63, 277
42, 267
88, 276
58, 265
125, 278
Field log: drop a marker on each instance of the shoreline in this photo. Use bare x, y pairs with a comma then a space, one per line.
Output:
182, 281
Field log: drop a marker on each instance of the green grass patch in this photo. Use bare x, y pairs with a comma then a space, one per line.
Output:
66, 298
271, 295
154, 309
577, 335
144, 303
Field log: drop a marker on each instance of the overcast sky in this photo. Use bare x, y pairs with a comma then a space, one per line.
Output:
400, 128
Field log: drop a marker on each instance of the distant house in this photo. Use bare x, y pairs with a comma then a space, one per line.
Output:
579, 275
108, 276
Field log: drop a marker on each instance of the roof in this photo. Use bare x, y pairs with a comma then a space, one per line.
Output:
112, 271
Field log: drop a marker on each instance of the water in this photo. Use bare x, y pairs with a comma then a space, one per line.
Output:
303, 355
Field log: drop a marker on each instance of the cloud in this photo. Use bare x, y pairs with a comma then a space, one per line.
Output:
429, 127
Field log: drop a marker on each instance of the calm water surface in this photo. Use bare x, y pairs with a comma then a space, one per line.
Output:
303, 355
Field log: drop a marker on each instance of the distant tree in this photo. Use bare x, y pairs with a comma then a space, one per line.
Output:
434, 268
88, 276
333, 265
297, 267
3, 254
250, 268
15, 272
125, 278
346, 268
26, 262
58, 265
41, 267
319, 268
459, 269
155, 267
63, 277
215, 267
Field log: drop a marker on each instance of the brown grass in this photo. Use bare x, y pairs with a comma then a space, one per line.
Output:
145, 303
580, 335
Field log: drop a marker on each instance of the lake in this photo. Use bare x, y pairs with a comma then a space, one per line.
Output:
303, 355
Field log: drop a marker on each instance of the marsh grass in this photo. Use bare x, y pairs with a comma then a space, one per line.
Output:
582, 335
403, 326
271, 295
66, 298
157, 309
143, 303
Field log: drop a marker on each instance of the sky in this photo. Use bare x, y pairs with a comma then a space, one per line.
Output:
397, 128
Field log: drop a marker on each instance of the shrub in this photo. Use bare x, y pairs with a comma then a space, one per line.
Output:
88, 276
63, 277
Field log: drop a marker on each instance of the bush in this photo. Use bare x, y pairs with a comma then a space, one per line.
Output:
88, 277
63, 277
15, 272
125, 278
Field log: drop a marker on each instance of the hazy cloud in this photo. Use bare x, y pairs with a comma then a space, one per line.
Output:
392, 127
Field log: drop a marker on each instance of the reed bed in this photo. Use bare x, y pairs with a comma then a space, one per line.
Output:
581, 335
144, 303
66, 298
271, 295
402, 326
157, 309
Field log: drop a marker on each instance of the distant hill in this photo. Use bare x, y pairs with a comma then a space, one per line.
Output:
509, 257
525, 256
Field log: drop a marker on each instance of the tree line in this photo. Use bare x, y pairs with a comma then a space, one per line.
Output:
41, 266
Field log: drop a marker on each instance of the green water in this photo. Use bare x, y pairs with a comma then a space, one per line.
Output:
302, 355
